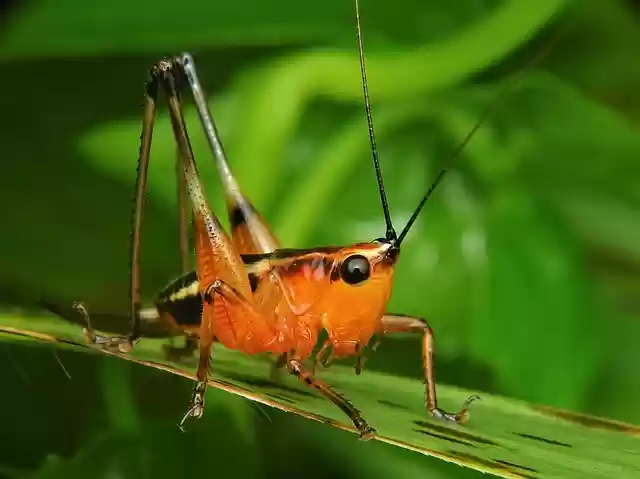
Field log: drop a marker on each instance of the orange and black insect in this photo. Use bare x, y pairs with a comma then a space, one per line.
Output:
248, 293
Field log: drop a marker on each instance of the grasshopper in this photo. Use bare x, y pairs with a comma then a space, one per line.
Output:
250, 294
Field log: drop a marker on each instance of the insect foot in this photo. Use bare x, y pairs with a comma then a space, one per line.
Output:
366, 431
459, 418
197, 404
121, 344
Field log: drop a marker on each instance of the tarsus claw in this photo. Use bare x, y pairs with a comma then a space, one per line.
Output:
459, 418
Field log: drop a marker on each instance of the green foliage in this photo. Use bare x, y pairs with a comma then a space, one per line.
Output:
526, 260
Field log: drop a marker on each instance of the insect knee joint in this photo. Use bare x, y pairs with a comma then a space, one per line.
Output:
215, 287
295, 367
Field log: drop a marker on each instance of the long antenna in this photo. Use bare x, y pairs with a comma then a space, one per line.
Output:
391, 233
493, 106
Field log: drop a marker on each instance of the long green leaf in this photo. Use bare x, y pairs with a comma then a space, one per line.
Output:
504, 437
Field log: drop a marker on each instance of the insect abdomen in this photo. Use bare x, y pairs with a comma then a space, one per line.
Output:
182, 301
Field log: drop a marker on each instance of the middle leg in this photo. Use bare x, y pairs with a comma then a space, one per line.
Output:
171, 351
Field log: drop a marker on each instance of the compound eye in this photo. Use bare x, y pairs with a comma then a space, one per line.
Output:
355, 269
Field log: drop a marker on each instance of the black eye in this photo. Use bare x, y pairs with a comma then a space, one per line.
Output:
355, 269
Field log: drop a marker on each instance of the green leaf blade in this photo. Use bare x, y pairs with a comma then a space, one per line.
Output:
504, 437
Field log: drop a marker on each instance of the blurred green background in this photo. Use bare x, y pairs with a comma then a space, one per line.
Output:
526, 260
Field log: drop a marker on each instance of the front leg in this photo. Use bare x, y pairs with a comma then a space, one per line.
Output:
396, 323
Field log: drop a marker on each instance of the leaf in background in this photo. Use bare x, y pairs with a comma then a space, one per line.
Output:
555, 137
117, 396
548, 351
504, 437
604, 222
600, 53
284, 88
619, 390
72, 27
162, 451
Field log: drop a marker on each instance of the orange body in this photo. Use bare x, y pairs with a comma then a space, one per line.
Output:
295, 294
